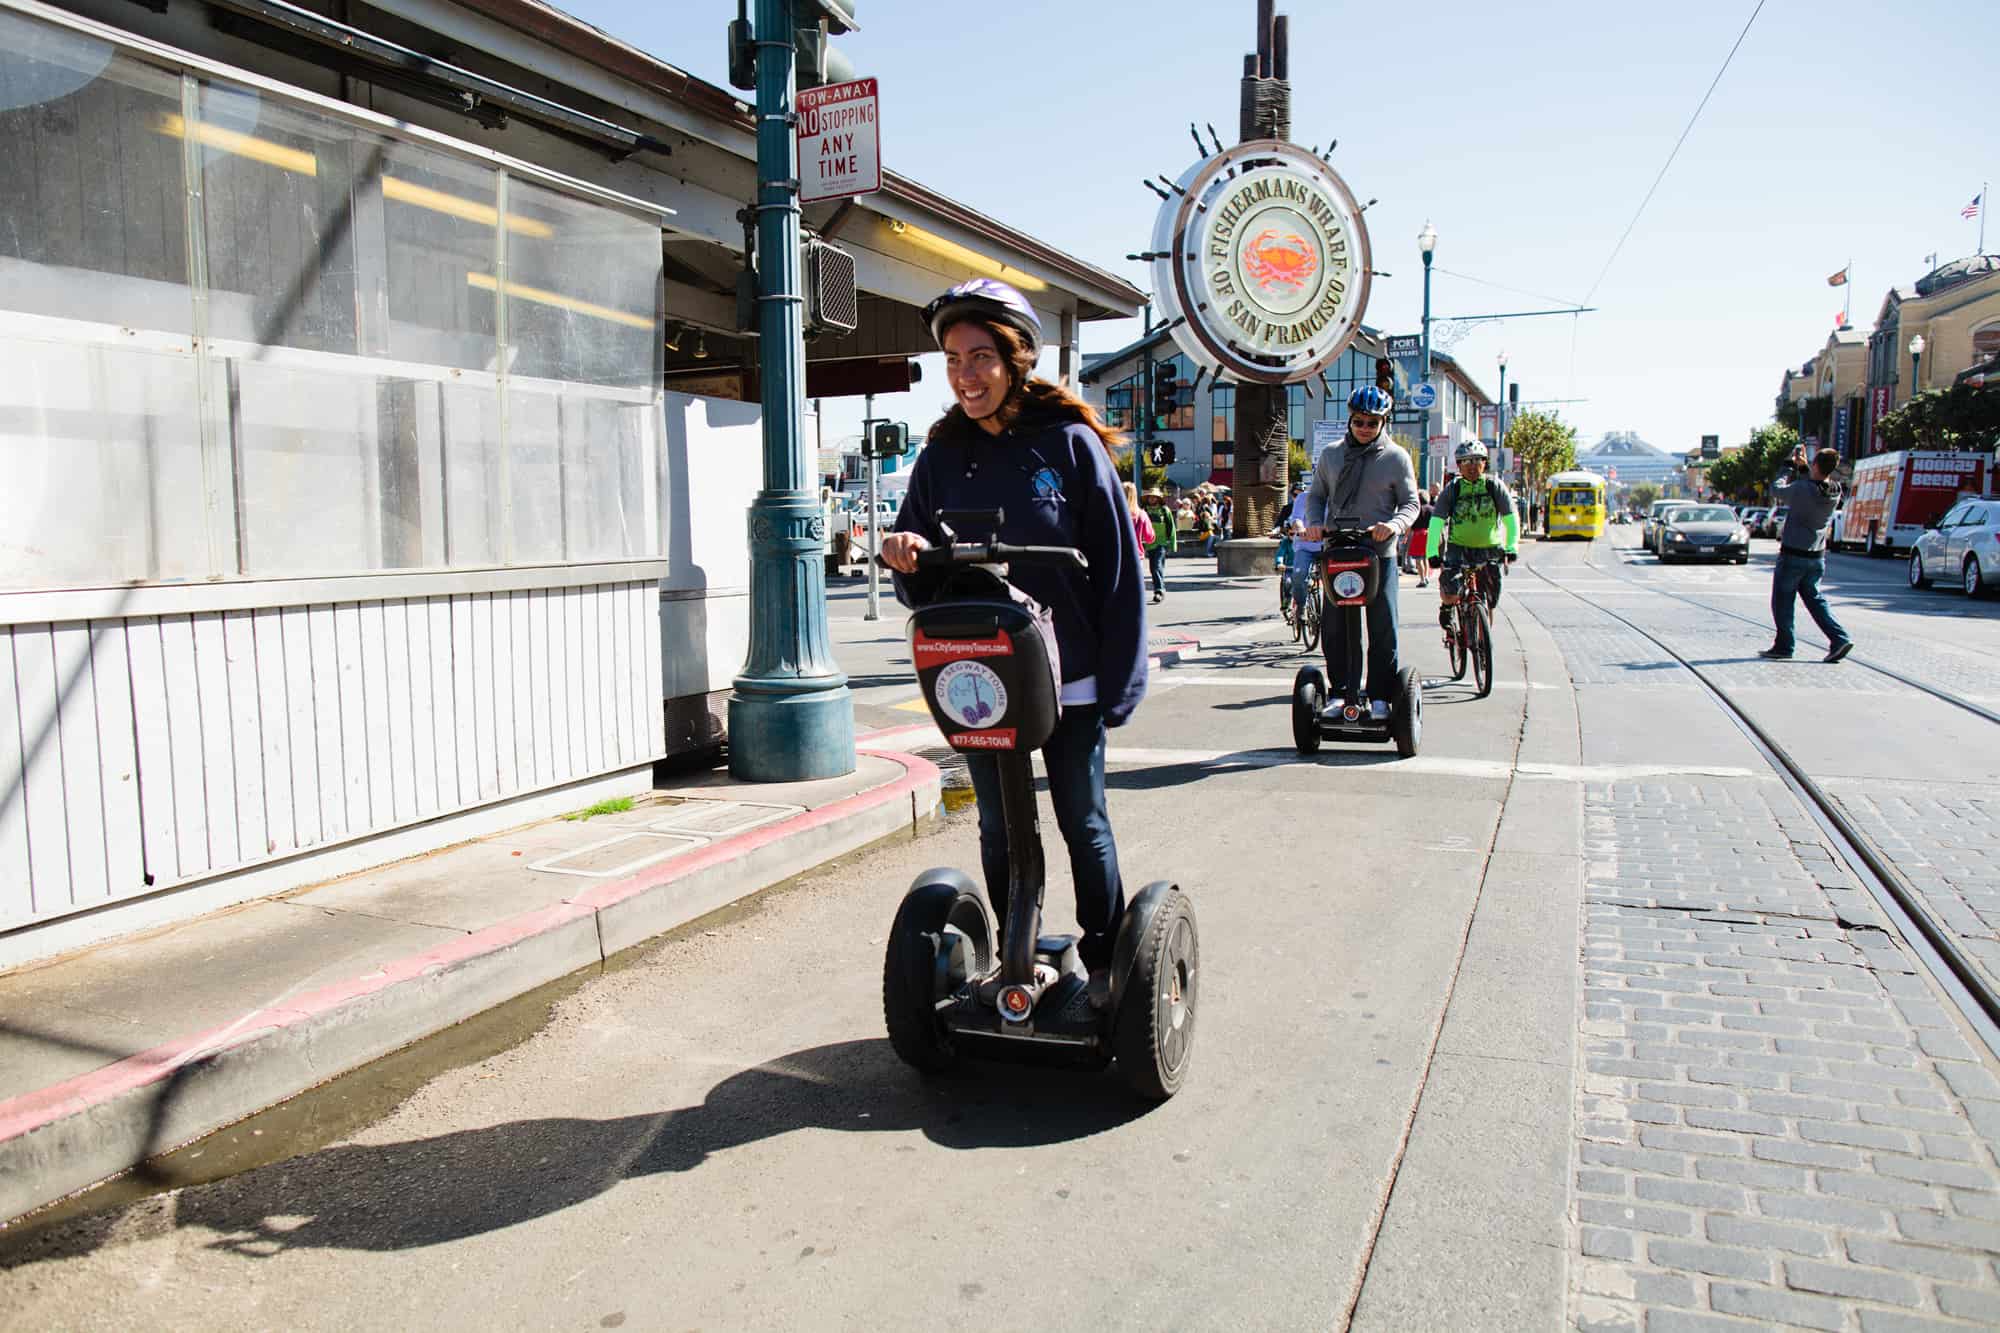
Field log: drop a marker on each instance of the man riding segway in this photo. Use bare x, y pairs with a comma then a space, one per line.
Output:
1365, 482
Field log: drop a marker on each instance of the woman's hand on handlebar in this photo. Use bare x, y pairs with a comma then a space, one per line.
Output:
900, 549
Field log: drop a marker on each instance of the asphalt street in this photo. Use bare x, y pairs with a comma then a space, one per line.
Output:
1415, 1100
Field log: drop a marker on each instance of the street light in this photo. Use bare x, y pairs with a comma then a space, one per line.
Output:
1500, 410
1916, 355
1427, 240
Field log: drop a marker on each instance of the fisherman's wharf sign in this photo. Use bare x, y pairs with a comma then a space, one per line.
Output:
1261, 263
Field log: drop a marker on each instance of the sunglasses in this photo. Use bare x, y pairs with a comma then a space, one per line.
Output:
1361, 419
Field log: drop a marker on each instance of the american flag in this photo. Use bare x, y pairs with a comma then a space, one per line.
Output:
1971, 210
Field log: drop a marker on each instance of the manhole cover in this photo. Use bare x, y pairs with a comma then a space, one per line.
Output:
721, 819
617, 856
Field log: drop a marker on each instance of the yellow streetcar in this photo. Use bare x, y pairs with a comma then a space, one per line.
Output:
1575, 505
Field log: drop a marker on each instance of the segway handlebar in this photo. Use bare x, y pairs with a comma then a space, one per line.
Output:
998, 553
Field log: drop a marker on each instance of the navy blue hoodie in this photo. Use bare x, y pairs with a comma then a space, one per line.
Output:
1054, 482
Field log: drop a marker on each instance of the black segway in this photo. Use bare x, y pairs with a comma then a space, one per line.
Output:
988, 670
1350, 575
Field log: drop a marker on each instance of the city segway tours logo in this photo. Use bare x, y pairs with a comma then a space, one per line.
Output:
1261, 262
972, 695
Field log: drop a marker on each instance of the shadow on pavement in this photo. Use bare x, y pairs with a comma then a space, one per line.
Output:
421, 1192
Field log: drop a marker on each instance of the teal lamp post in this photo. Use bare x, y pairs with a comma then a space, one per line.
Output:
791, 717
1427, 241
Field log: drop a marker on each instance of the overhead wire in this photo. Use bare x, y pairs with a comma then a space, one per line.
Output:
1726, 60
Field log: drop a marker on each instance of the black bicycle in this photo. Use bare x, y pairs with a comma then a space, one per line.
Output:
1469, 641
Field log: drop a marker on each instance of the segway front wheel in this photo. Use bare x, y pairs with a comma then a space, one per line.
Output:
1406, 718
942, 937
1154, 1034
1308, 697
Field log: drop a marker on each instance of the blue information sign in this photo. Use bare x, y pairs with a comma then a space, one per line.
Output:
1424, 396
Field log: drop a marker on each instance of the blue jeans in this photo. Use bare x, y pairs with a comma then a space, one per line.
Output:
1074, 757
1381, 618
1302, 567
1156, 561
1798, 576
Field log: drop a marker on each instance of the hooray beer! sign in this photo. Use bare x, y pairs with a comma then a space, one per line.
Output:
1262, 256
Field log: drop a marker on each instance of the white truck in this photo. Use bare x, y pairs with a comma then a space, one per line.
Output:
1893, 497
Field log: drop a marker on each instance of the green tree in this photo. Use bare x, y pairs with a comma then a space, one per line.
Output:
1960, 417
1745, 474
1642, 496
1545, 444
1299, 462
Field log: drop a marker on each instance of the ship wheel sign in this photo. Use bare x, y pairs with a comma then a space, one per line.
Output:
1260, 262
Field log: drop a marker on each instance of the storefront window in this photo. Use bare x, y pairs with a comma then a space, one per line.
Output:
1222, 404
411, 359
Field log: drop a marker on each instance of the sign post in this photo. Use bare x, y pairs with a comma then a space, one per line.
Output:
839, 141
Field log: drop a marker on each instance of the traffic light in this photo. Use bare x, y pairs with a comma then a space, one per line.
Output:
819, 63
1160, 453
1166, 390
887, 439
1385, 375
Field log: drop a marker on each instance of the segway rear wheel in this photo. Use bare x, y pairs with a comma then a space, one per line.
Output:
1308, 697
942, 937
1154, 1034
1406, 718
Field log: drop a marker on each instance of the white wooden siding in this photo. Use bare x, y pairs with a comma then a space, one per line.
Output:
146, 751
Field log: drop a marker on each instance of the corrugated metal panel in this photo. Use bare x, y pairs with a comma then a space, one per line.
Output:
144, 752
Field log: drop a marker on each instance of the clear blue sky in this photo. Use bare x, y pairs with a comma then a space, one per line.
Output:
1528, 135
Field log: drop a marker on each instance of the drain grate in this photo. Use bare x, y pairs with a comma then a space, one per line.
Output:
954, 778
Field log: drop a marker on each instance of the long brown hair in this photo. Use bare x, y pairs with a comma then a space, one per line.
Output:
1026, 390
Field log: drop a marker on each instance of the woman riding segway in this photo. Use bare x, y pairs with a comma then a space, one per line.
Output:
1030, 463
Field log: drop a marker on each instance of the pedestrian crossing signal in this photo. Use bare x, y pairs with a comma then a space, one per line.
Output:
1160, 453
888, 439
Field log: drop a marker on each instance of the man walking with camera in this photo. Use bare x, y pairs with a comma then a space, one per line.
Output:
1810, 496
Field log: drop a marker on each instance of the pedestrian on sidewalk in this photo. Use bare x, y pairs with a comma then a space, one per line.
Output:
1042, 456
1414, 544
1165, 541
1810, 496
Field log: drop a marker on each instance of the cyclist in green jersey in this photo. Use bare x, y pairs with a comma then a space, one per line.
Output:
1475, 512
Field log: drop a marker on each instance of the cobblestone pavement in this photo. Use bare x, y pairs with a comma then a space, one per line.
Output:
1778, 1120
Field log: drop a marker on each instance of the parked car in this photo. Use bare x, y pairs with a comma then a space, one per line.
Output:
1703, 532
1964, 544
1773, 524
1753, 518
1651, 536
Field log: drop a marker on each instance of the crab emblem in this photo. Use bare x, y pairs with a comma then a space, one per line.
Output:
1274, 260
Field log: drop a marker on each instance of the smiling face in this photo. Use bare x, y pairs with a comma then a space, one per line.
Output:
977, 370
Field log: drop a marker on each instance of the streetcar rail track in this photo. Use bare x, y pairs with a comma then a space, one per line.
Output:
1963, 979
1935, 691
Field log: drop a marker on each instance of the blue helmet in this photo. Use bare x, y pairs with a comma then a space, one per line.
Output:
987, 298
1371, 400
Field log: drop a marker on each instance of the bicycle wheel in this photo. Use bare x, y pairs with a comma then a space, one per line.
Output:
1309, 620
1482, 648
1454, 639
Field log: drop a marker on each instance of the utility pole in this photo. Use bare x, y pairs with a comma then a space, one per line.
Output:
791, 717
874, 523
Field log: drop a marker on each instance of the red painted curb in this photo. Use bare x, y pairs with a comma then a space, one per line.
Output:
31, 1111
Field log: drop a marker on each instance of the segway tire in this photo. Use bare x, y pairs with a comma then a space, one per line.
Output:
940, 937
1308, 697
1406, 719
1153, 1036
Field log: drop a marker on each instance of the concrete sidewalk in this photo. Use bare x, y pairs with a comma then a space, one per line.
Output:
130, 1049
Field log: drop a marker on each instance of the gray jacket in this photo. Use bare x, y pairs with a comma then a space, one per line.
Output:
1809, 509
1380, 488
